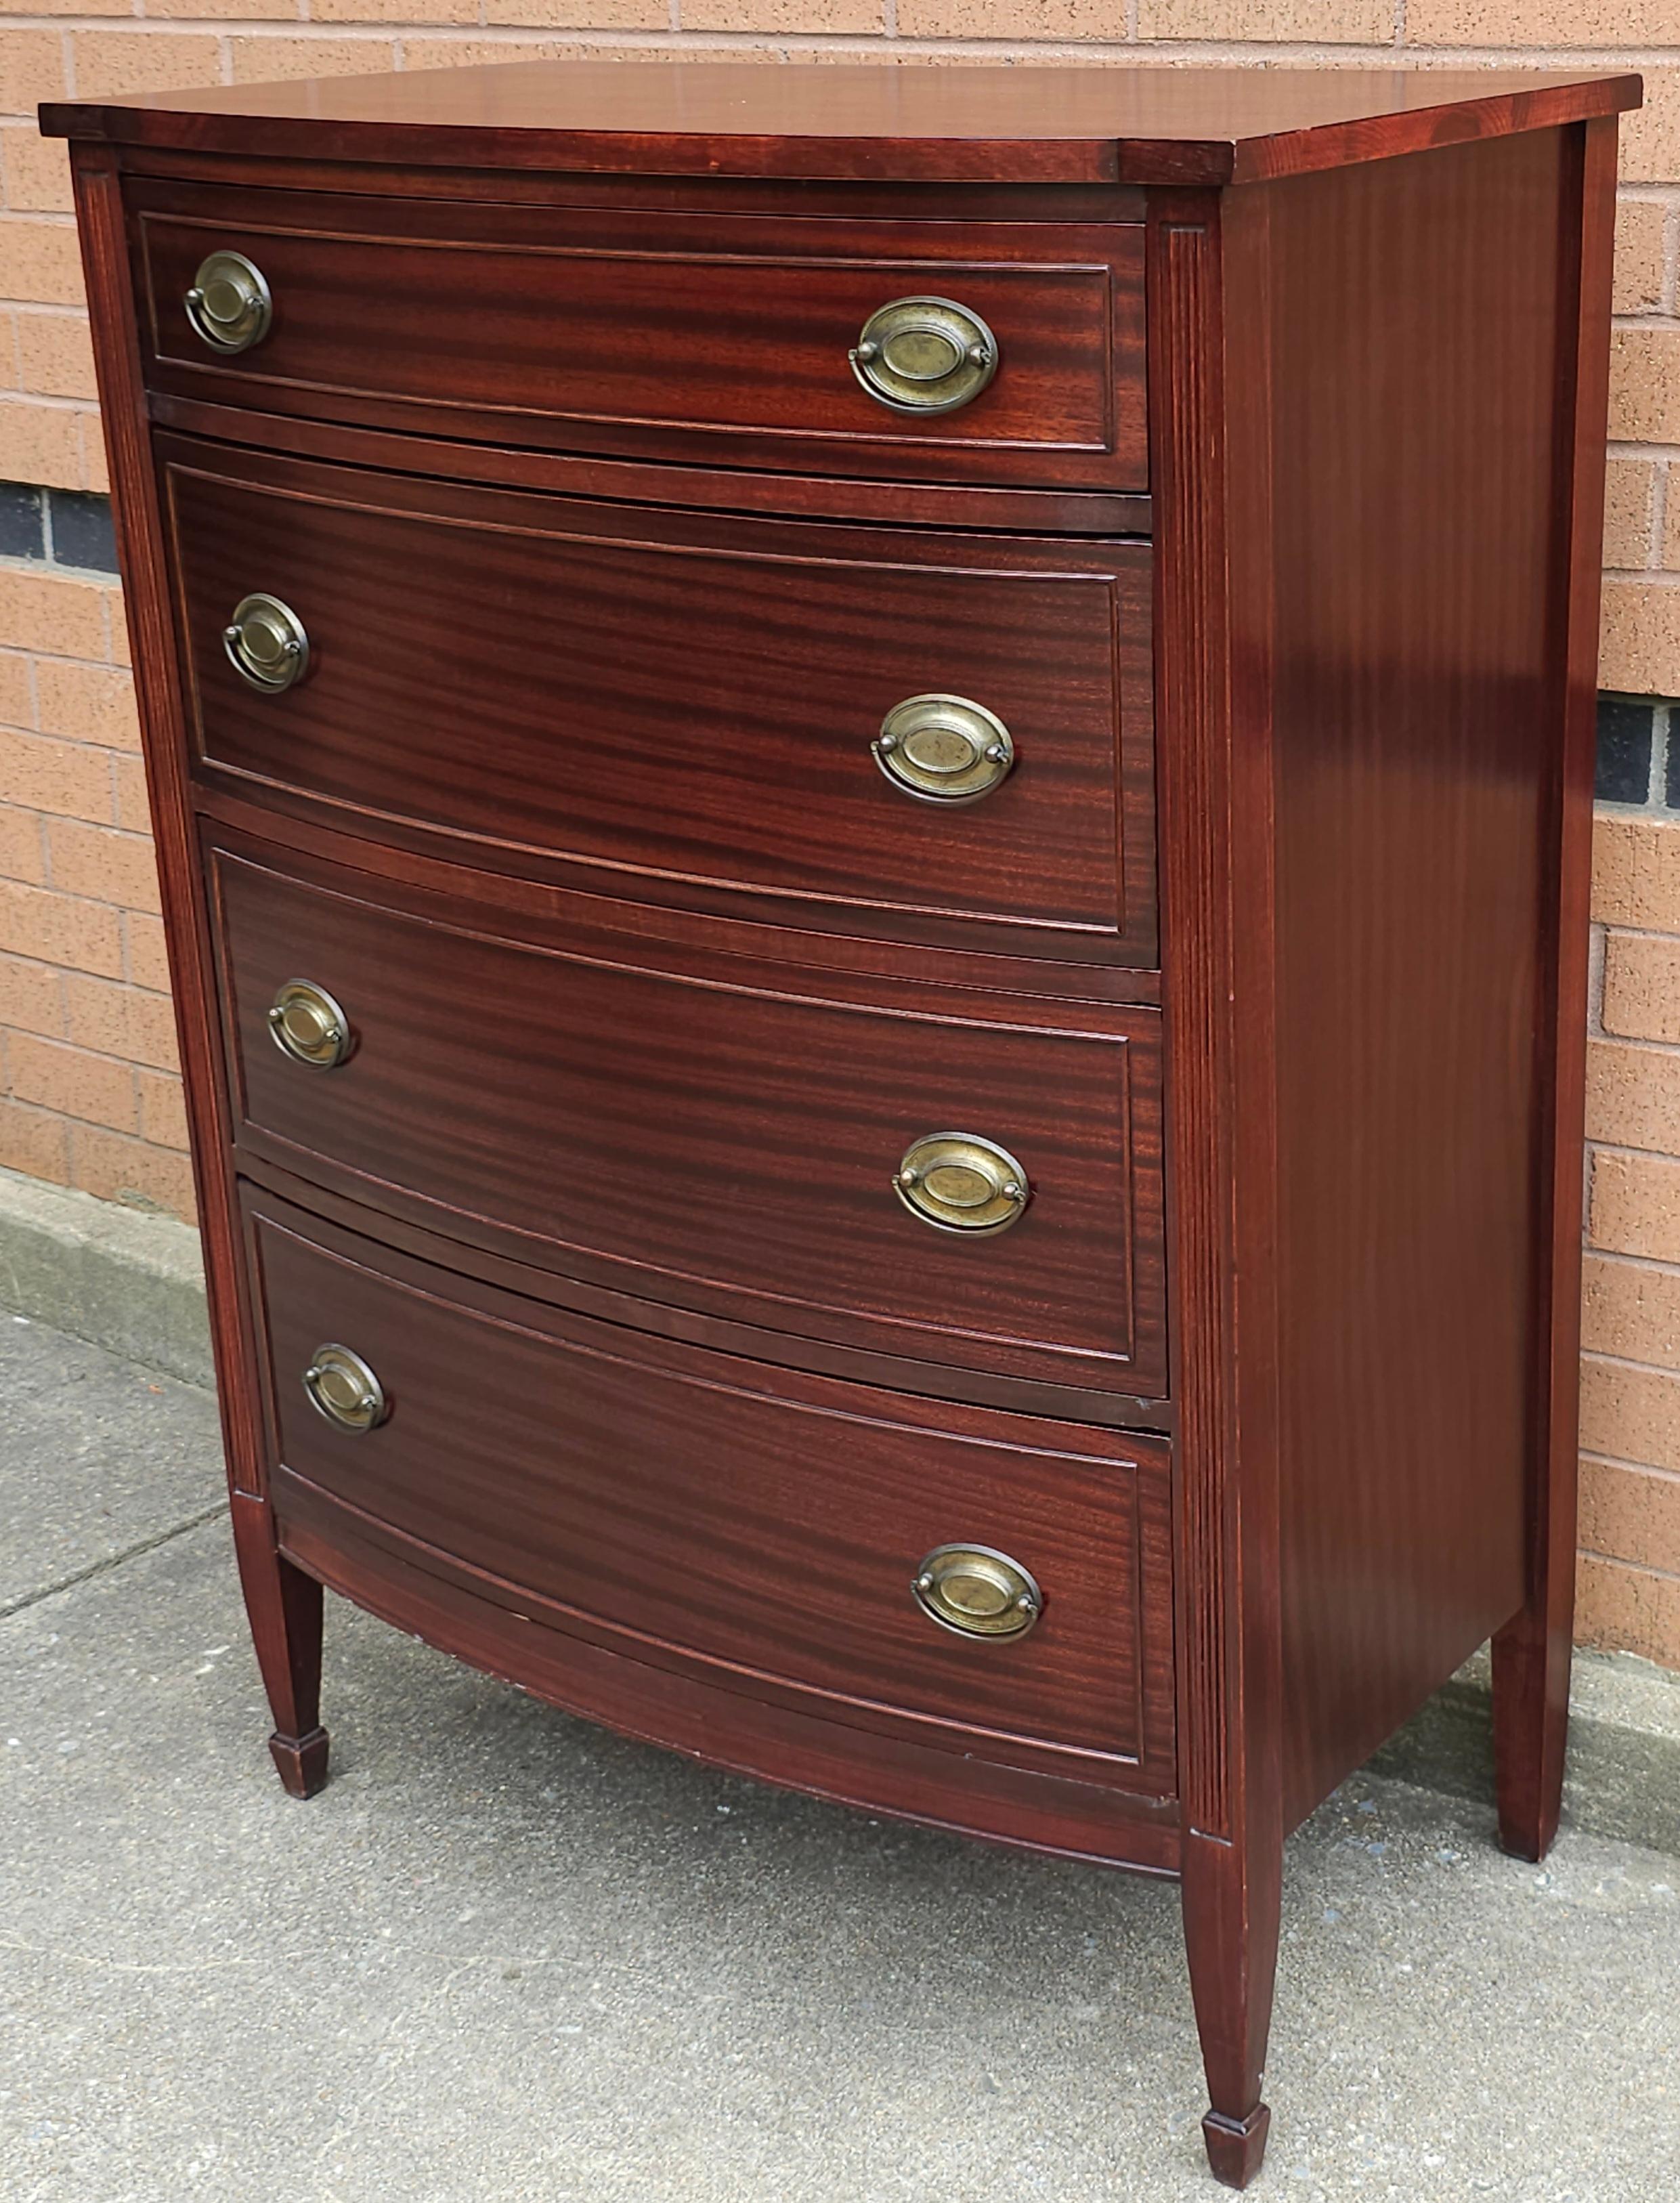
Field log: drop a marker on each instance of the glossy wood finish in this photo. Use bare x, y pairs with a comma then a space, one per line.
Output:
1392, 1044
676, 1506
1532, 1654
673, 707
1210, 369
968, 505
1107, 1410
967, 1794
709, 1136
1048, 204
727, 345
1414, 886
971, 124
283, 1605
1376, 406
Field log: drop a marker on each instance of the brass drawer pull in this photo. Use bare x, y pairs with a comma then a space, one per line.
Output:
342, 1387
230, 305
962, 1183
266, 643
943, 749
924, 355
308, 1026
977, 1591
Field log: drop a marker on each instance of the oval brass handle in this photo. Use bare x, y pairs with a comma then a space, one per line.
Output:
924, 355
943, 749
977, 1591
342, 1387
962, 1183
267, 644
308, 1026
230, 305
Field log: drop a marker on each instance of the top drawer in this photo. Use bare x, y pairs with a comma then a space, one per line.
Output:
708, 339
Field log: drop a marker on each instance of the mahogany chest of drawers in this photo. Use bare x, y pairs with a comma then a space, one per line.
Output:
873, 792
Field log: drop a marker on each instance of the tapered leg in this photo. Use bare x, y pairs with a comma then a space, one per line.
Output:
1232, 1904
1531, 1657
284, 1608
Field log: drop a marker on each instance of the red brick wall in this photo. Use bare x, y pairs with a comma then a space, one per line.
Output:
87, 1091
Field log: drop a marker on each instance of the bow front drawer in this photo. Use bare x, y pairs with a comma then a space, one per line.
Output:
945, 1176
931, 351
994, 1584
927, 737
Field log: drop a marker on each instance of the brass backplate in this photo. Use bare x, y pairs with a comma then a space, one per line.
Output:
229, 304
944, 749
962, 1183
342, 1387
924, 355
309, 1025
977, 1591
267, 643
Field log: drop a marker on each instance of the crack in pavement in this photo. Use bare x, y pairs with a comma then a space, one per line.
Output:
111, 1560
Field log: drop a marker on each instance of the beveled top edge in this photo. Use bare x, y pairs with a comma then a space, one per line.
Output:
964, 122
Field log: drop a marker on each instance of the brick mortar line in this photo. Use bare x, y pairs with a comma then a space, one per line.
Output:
113, 1561
1650, 1262
1639, 1568
1610, 924
110, 749
10, 564
58, 404
1667, 1048
1555, 60
1617, 1461
130, 1062
34, 650
76, 972
1627, 1361
1597, 1147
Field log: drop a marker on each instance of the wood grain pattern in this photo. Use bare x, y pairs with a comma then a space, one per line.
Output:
1411, 902
710, 1136
1023, 511
697, 1513
973, 124
728, 343
1532, 1654
690, 925
680, 709
1184, 331
896, 201
283, 1604
754, 1342
965, 1792
1209, 373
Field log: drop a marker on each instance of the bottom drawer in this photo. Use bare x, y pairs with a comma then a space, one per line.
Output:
760, 1529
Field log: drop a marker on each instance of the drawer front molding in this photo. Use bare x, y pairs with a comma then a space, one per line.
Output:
731, 342
663, 705
709, 1138
704, 1513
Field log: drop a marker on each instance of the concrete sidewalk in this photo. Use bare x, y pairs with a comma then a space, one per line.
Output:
507, 1956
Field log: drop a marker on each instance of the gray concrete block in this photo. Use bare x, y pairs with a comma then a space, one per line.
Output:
99, 1458
507, 1957
124, 1280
